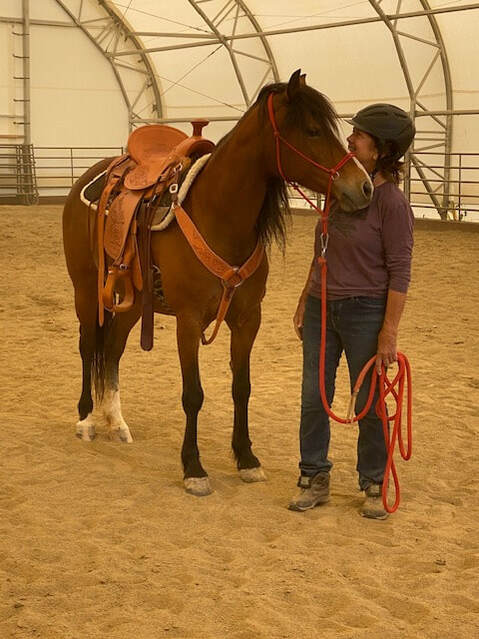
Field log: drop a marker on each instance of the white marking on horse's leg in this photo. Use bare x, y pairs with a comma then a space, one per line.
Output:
111, 407
250, 475
198, 486
85, 428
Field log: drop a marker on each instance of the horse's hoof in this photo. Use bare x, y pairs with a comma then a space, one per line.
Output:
198, 486
85, 432
121, 435
250, 475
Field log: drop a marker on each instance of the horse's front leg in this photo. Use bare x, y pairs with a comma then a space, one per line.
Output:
243, 334
188, 334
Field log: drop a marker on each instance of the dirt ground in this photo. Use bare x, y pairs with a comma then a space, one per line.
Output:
100, 540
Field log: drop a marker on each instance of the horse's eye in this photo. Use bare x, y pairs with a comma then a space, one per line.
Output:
314, 133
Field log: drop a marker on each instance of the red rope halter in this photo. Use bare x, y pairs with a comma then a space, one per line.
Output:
386, 386
333, 173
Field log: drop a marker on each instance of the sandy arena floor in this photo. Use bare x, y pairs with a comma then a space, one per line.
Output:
100, 541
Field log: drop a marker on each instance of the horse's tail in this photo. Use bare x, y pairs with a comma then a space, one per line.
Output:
98, 368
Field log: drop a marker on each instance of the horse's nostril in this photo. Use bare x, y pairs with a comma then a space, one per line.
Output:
367, 188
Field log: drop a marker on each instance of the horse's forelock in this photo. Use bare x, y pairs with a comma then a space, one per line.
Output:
308, 104
321, 109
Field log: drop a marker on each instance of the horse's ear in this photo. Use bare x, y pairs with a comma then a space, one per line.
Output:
294, 85
302, 79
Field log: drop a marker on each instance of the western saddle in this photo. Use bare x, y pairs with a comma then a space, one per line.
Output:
157, 157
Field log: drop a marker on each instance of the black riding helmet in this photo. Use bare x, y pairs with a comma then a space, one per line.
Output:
388, 123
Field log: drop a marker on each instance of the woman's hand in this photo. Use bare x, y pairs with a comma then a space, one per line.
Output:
298, 317
387, 349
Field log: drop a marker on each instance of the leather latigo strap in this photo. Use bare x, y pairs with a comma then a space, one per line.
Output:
145, 219
231, 276
113, 176
119, 272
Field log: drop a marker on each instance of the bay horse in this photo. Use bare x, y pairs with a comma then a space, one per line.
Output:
238, 199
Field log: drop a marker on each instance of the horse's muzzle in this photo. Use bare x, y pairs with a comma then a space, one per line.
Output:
352, 199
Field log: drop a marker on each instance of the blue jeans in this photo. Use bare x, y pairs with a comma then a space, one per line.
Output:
352, 326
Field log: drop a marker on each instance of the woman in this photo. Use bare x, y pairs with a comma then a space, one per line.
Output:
369, 263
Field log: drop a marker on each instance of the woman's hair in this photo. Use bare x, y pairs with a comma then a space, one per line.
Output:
388, 163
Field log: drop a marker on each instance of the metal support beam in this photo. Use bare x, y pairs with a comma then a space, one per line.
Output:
317, 27
231, 54
27, 130
420, 171
449, 106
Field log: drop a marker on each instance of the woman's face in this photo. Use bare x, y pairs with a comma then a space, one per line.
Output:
362, 145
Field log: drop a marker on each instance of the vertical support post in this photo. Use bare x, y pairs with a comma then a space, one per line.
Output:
27, 139
447, 163
459, 177
407, 176
407, 158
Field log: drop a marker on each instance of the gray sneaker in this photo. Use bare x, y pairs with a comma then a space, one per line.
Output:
373, 506
312, 492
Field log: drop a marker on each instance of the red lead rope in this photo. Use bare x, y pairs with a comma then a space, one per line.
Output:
386, 387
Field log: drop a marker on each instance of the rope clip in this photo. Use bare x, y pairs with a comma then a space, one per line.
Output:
324, 239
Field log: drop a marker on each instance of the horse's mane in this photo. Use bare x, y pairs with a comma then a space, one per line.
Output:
307, 105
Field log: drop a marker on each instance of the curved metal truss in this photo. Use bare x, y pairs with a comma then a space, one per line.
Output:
111, 33
433, 131
220, 25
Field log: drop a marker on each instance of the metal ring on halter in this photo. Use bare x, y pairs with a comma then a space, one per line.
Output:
324, 239
173, 188
335, 175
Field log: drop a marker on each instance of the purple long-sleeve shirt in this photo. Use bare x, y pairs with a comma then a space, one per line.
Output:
369, 251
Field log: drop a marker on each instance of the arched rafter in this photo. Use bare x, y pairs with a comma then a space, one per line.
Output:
113, 29
235, 11
442, 139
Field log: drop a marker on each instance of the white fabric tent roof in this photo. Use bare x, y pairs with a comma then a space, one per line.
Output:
354, 64
97, 68
199, 70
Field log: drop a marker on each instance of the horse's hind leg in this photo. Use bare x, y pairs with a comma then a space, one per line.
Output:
115, 342
242, 338
188, 336
101, 349
86, 312
85, 427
